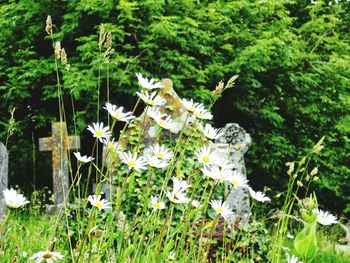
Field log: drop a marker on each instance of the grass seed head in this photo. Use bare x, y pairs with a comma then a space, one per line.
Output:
48, 27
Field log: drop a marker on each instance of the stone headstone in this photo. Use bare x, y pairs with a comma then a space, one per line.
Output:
3, 178
59, 143
236, 142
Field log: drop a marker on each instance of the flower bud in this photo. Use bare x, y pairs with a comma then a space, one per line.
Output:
314, 171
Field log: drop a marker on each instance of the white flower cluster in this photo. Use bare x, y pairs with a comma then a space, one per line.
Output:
158, 156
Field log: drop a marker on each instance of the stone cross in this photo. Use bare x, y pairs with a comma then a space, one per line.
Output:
59, 143
3, 178
235, 143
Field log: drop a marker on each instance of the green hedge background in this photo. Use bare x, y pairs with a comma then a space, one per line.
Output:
293, 58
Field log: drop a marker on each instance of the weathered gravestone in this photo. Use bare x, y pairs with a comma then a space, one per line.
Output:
173, 107
59, 143
235, 143
3, 178
232, 145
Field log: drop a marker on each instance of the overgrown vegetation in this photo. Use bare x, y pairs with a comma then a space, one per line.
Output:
293, 57
169, 203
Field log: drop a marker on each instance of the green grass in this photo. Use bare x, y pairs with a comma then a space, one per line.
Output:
27, 234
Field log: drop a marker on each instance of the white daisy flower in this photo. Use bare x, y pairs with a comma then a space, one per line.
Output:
154, 113
154, 161
157, 205
325, 218
117, 113
151, 99
259, 196
148, 84
166, 123
221, 208
195, 203
205, 156
224, 175
216, 173
46, 256
99, 131
223, 162
177, 197
133, 162
210, 132
14, 199
238, 180
203, 114
292, 259
191, 106
96, 201
161, 152
180, 185
112, 146
84, 159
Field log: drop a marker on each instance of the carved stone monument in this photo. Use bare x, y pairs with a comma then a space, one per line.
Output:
173, 107
3, 178
236, 142
59, 143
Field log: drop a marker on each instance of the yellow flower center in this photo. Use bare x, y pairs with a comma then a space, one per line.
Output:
161, 123
99, 133
47, 255
157, 205
219, 210
160, 155
99, 205
206, 159
234, 182
132, 163
150, 102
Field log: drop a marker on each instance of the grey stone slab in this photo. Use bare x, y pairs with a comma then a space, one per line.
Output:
3, 177
236, 142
